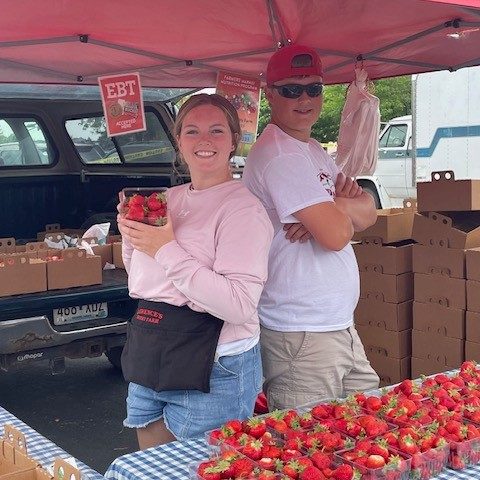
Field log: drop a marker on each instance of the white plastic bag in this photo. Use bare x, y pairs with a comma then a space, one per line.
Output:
357, 150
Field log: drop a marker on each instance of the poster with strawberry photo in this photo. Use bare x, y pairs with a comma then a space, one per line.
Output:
244, 94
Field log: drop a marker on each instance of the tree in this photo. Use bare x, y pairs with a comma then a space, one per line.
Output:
395, 101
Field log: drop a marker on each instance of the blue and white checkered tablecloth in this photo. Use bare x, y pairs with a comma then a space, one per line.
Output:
171, 461
167, 462
41, 449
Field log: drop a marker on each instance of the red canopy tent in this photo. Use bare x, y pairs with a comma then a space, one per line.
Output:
183, 43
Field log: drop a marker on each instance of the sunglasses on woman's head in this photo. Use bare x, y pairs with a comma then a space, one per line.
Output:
294, 90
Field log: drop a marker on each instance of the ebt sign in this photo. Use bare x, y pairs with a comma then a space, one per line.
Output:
122, 103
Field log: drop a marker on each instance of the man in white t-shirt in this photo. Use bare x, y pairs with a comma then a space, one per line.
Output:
310, 348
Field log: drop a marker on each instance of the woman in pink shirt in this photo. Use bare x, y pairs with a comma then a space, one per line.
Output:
192, 355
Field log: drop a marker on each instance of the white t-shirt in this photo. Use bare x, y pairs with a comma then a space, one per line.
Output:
309, 288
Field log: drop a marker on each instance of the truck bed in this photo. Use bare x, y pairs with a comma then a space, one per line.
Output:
114, 287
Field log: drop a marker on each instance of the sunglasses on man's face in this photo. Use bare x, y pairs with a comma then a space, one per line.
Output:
294, 90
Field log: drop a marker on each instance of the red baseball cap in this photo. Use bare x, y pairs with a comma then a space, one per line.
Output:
293, 61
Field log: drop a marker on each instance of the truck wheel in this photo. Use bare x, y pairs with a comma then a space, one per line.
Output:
374, 194
114, 355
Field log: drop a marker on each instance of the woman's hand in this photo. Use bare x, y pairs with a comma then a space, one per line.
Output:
296, 232
145, 238
345, 187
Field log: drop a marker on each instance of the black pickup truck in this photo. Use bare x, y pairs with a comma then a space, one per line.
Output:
57, 165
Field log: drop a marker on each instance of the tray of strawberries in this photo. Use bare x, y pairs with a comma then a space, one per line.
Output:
145, 205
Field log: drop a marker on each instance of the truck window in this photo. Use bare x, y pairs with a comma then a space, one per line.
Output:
23, 143
89, 137
394, 136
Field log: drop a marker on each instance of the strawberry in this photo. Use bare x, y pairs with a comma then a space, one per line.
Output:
266, 475
375, 461
343, 472
156, 201
209, 471
154, 218
380, 448
373, 403
321, 460
136, 199
253, 449
255, 427
291, 469
242, 467
322, 411
407, 444
136, 212
311, 473
233, 425
267, 463
289, 454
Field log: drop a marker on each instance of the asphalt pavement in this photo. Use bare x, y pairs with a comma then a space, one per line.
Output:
80, 410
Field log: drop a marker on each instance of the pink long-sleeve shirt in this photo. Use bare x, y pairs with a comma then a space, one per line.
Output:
218, 261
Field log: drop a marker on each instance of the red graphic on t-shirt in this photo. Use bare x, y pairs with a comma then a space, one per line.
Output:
148, 316
327, 183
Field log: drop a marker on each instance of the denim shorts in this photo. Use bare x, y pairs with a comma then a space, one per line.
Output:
234, 385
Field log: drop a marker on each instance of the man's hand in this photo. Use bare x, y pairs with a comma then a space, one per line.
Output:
345, 187
145, 238
296, 232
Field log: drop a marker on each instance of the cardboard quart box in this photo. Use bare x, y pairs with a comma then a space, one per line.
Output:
389, 316
386, 288
444, 261
394, 259
390, 370
442, 290
62, 471
15, 464
445, 194
73, 268
9, 245
473, 295
55, 228
13, 455
456, 230
104, 251
385, 342
472, 327
441, 349
473, 264
392, 225
439, 320
117, 255
20, 273
429, 366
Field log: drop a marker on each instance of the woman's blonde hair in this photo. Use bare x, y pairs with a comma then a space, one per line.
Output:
217, 101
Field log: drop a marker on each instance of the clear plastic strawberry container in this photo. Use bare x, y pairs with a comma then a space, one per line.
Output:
225, 463
145, 204
364, 426
257, 473
397, 467
464, 454
429, 463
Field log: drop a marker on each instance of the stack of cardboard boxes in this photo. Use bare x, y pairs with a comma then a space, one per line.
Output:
472, 344
383, 317
439, 311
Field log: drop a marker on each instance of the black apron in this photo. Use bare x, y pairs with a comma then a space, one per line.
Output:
170, 347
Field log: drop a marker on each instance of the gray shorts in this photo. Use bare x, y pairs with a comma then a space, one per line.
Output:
300, 367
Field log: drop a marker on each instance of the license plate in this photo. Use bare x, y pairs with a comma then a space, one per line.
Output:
64, 315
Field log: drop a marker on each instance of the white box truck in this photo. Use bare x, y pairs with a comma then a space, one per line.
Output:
442, 134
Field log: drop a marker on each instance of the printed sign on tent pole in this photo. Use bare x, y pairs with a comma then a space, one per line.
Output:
122, 103
244, 94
